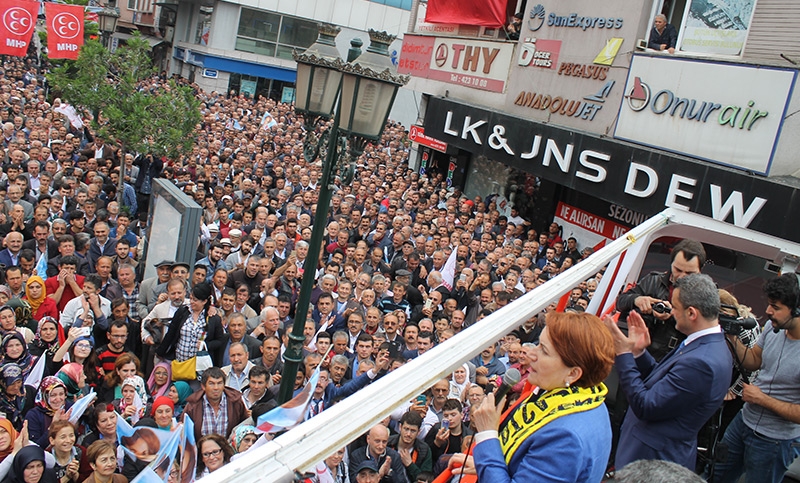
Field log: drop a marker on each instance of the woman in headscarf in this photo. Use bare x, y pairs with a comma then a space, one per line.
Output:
459, 382
49, 337
163, 412
7, 437
179, 391
29, 467
74, 380
160, 379
12, 394
128, 406
243, 437
51, 403
11, 442
5, 294
41, 304
15, 351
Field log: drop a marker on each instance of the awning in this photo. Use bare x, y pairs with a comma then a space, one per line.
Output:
153, 41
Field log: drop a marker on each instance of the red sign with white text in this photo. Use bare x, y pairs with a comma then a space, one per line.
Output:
592, 230
64, 30
17, 20
417, 135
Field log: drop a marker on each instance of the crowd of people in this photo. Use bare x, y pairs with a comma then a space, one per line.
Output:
407, 263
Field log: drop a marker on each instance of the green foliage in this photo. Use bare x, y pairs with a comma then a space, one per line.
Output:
132, 109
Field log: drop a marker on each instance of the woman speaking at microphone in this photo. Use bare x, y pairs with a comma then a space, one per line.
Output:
560, 430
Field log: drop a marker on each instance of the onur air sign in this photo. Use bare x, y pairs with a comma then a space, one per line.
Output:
723, 113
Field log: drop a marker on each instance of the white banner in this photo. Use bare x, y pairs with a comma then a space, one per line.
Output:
716, 26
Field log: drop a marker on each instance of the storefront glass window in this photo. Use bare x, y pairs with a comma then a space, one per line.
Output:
271, 34
258, 24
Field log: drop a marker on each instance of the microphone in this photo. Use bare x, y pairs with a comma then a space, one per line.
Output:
777, 328
747, 322
510, 379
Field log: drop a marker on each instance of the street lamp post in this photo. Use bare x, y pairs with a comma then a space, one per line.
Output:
365, 88
107, 23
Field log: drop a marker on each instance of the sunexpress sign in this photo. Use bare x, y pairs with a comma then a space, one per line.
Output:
573, 20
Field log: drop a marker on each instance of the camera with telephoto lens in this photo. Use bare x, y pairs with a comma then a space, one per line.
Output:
661, 308
735, 325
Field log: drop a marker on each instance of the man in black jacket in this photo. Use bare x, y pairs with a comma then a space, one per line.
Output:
651, 296
415, 454
391, 469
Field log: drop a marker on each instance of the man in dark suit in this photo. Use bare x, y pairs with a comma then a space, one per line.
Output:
13, 243
672, 399
101, 245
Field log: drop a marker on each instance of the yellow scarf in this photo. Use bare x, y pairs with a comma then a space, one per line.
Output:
534, 413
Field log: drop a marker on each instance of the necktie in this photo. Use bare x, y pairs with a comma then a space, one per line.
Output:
674, 351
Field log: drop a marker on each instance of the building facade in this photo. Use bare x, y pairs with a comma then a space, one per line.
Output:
580, 122
246, 45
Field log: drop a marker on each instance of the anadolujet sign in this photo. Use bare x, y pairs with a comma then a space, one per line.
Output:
726, 114
640, 179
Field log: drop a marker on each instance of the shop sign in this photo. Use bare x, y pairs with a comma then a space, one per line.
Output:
417, 134
541, 53
591, 229
415, 55
585, 71
570, 20
421, 26
643, 180
585, 108
473, 63
735, 121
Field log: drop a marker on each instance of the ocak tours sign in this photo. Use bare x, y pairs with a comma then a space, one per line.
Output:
723, 113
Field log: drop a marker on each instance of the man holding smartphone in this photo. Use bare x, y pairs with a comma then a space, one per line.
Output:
447, 436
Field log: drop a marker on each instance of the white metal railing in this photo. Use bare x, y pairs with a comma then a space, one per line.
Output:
317, 438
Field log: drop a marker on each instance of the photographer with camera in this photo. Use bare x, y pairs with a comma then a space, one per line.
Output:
763, 438
650, 297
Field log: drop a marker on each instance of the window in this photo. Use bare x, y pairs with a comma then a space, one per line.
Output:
255, 46
268, 33
259, 24
402, 4
203, 25
298, 32
706, 27
131, 4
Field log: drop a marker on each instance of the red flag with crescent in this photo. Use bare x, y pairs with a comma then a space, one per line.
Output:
64, 30
17, 22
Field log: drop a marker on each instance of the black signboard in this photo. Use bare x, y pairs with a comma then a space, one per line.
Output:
640, 179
